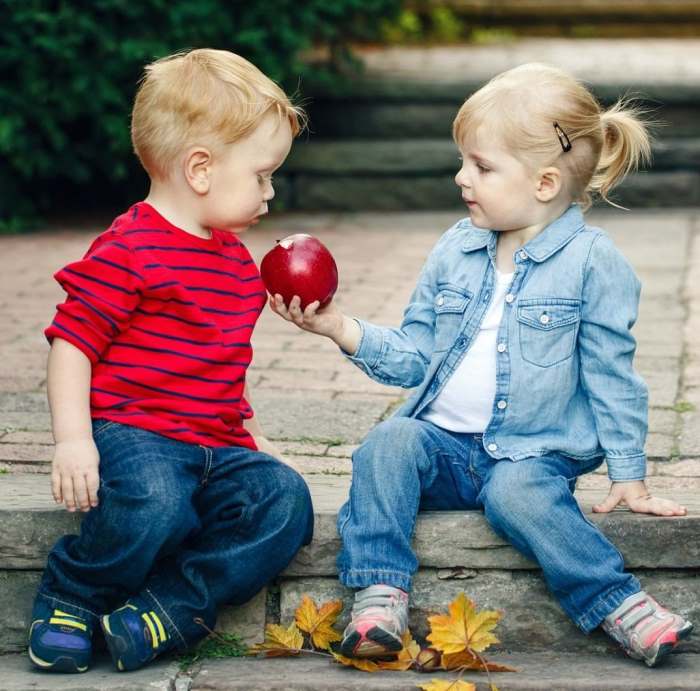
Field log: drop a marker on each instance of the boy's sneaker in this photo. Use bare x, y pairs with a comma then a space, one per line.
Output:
646, 630
379, 619
135, 635
60, 642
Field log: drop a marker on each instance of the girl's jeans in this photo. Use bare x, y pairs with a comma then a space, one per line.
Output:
186, 527
407, 464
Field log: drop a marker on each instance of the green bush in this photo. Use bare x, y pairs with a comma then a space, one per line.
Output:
69, 69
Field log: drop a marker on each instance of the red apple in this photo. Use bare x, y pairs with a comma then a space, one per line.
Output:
300, 265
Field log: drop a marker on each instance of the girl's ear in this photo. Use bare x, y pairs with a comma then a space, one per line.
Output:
198, 163
549, 184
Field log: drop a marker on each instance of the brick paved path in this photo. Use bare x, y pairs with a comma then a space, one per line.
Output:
317, 405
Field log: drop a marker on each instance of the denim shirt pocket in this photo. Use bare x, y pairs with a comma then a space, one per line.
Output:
548, 328
450, 303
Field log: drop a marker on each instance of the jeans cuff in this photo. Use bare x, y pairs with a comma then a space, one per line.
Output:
607, 604
169, 624
60, 602
363, 578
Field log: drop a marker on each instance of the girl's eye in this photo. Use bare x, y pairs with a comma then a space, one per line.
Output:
264, 179
482, 169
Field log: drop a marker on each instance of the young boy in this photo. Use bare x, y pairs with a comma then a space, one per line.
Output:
186, 507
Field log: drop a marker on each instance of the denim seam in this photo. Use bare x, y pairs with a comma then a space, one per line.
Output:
609, 602
53, 598
167, 616
208, 456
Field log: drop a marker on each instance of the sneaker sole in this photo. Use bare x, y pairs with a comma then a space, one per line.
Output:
666, 648
376, 643
66, 665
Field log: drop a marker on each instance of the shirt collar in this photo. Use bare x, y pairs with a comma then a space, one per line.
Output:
552, 238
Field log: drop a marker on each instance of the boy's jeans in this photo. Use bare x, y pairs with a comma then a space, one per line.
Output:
405, 464
187, 528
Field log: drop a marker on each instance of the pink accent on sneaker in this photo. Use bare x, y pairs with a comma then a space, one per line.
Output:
379, 618
646, 630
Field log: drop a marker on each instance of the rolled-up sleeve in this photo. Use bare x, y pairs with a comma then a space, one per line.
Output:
103, 289
400, 356
618, 396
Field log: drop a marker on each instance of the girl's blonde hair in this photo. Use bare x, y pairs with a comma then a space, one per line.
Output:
204, 96
536, 111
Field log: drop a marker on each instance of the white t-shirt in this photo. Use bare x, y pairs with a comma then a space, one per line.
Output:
465, 403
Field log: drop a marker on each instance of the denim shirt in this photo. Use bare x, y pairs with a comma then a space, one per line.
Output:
564, 376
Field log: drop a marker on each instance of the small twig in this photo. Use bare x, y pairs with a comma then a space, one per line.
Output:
200, 622
295, 651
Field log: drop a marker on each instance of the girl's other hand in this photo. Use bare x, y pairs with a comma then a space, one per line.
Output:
637, 497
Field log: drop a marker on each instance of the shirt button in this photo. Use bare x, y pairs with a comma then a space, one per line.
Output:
501, 347
440, 301
522, 254
544, 319
461, 342
501, 405
509, 298
492, 447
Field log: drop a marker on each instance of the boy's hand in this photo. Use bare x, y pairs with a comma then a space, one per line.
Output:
636, 496
75, 477
266, 446
325, 322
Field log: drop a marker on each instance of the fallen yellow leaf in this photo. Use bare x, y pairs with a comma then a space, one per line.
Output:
441, 685
406, 658
470, 661
463, 628
357, 663
318, 623
280, 642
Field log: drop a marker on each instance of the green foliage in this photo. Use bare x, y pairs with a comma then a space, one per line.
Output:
69, 71
217, 645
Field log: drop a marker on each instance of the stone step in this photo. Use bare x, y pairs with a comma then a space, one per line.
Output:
389, 107
419, 174
552, 671
457, 551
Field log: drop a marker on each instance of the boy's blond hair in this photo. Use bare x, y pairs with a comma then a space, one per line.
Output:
201, 97
520, 108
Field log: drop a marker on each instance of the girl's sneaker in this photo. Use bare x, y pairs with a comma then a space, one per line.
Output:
645, 630
135, 635
59, 642
379, 619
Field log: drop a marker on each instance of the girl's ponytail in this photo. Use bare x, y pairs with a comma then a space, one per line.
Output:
626, 145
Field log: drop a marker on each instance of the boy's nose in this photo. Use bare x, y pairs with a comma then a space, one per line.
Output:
460, 179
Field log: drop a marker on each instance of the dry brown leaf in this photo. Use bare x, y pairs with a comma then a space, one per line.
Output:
364, 665
280, 642
318, 623
463, 628
466, 659
442, 685
406, 657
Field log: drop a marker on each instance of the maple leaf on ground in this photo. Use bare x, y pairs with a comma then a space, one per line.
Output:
406, 658
279, 641
364, 665
442, 685
466, 659
318, 623
463, 628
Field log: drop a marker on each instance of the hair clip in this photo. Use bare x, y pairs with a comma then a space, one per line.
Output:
563, 139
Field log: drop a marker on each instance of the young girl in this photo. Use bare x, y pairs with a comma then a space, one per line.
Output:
518, 340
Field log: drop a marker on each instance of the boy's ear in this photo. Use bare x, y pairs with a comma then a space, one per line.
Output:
198, 162
548, 184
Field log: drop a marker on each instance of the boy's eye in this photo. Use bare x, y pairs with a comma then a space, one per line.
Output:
264, 179
482, 169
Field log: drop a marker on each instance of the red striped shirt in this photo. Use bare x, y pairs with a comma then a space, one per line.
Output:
166, 319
